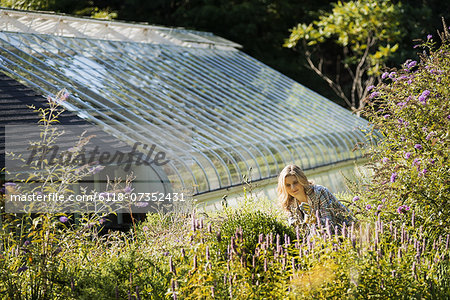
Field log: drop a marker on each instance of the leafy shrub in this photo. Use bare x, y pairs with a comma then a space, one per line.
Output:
250, 225
411, 109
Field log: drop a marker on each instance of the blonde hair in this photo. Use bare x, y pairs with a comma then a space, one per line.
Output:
284, 198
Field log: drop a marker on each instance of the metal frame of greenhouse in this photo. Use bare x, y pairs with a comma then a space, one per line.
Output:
214, 110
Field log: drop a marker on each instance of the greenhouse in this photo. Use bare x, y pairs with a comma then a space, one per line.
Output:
215, 112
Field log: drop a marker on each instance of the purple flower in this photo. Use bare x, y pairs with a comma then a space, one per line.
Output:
448, 117
402, 209
96, 169
412, 64
423, 172
370, 87
393, 177
127, 189
385, 74
383, 200
356, 198
386, 116
429, 136
380, 207
426, 93
145, 228
26, 243
373, 95
407, 155
63, 219
409, 81
432, 161
418, 146
423, 99
401, 104
392, 75
385, 160
368, 207
416, 162
429, 37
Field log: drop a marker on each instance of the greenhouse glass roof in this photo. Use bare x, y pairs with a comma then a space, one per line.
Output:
215, 111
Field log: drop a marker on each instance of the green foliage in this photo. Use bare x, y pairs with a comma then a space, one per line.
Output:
250, 225
367, 31
411, 110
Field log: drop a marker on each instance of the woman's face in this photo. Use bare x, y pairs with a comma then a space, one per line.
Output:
293, 187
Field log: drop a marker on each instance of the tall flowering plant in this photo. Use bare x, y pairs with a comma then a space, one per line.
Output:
411, 109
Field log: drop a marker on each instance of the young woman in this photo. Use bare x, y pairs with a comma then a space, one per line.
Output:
303, 200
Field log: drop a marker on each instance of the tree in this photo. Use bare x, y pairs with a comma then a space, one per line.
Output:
366, 33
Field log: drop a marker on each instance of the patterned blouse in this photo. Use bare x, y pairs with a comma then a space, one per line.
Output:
322, 200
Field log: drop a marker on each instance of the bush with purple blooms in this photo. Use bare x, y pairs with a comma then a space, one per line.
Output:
411, 163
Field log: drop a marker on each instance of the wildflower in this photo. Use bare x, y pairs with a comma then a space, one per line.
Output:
429, 136
423, 172
374, 95
401, 104
386, 116
412, 64
407, 155
385, 74
426, 93
402, 209
416, 162
145, 228
380, 207
392, 75
370, 87
385, 160
432, 161
418, 146
393, 177
422, 99
368, 207
96, 169
63, 219
356, 198
383, 200
409, 81
448, 117
429, 37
